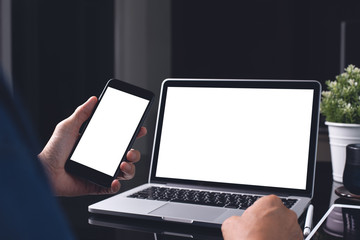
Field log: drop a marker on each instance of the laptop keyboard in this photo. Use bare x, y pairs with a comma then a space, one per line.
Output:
227, 200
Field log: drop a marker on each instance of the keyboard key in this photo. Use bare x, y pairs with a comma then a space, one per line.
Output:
217, 199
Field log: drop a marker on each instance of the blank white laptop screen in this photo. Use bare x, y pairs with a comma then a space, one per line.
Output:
236, 135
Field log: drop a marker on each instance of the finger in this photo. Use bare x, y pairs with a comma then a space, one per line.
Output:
127, 171
142, 132
269, 201
85, 187
115, 186
229, 227
96, 189
83, 112
133, 156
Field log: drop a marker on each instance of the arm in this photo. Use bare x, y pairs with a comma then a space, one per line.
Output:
58, 148
267, 218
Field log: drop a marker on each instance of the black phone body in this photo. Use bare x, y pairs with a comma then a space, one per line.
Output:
110, 132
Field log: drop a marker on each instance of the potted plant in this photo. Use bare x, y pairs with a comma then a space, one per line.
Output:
340, 105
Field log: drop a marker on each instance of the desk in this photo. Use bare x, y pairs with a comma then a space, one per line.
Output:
121, 228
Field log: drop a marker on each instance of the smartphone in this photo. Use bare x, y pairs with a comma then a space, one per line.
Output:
110, 132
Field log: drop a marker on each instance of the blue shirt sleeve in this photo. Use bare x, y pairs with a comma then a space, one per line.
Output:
28, 208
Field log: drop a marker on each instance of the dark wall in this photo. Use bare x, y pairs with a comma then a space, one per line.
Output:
259, 39
63, 50
62, 54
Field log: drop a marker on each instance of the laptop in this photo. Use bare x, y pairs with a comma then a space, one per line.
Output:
221, 144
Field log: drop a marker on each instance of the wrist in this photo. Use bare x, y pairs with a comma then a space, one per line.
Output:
49, 172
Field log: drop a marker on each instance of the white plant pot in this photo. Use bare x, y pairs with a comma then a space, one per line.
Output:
341, 135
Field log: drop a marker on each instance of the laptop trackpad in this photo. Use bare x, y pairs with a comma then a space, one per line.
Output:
187, 213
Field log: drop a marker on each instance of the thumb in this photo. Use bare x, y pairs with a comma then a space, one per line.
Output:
83, 112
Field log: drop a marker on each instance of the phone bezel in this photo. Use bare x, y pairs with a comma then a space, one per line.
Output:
94, 175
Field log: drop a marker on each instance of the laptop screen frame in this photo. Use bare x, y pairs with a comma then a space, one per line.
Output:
242, 83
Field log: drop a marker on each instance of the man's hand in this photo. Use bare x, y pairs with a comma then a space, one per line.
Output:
267, 218
59, 147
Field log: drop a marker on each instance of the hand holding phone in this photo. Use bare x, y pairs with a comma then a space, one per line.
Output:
110, 132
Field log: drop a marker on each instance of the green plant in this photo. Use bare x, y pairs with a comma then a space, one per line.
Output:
341, 102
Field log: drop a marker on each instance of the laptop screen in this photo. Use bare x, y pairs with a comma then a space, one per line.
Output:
257, 136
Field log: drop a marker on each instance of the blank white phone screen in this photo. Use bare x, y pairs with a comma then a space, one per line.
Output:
109, 131
232, 135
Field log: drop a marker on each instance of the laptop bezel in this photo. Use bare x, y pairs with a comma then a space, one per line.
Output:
243, 83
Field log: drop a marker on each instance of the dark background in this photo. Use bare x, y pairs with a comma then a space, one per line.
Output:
63, 51
62, 54
262, 39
